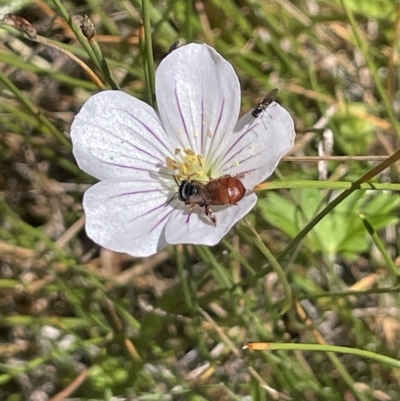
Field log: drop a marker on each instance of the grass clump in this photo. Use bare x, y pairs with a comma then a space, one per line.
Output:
313, 268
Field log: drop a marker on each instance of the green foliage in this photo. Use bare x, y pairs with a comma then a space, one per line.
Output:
341, 232
110, 373
378, 9
355, 135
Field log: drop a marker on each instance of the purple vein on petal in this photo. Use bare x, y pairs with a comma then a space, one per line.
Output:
213, 149
224, 159
145, 152
245, 146
128, 167
153, 134
238, 163
148, 212
173, 131
170, 210
135, 192
138, 159
137, 147
243, 173
202, 123
183, 120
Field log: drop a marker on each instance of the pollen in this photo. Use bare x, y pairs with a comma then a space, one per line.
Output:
187, 165
171, 164
189, 152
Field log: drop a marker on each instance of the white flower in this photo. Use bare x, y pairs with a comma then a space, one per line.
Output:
142, 156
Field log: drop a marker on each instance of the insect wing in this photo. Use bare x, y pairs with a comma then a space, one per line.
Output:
217, 192
265, 102
269, 98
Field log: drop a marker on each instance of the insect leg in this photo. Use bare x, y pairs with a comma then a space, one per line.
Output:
192, 206
210, 214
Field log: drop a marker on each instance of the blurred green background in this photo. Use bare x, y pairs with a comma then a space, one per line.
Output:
82, 323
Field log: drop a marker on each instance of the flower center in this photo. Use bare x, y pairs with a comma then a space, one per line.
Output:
187, 165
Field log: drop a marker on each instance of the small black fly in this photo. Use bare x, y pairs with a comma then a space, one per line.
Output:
265, 102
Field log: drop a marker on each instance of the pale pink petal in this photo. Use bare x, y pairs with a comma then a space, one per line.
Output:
199, 229
259, 146
128, 215
115, 134
198, 97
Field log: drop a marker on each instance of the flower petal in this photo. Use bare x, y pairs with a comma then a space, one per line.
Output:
198, 228
115, 134
198, 96
260, 144
128, 214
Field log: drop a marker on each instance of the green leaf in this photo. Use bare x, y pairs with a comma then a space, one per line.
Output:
341, 231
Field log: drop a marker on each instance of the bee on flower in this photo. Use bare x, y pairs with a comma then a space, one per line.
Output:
184, 174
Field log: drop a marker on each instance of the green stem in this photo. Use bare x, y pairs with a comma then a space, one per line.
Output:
78, 33
91, 47
184, 279
380, 245
188, 21
148, 48
104, 65
358, 293
330, 348
219, 272
327, 185
276, 267
35, 111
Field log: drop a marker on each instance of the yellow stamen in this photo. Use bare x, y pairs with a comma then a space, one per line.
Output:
187, 165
